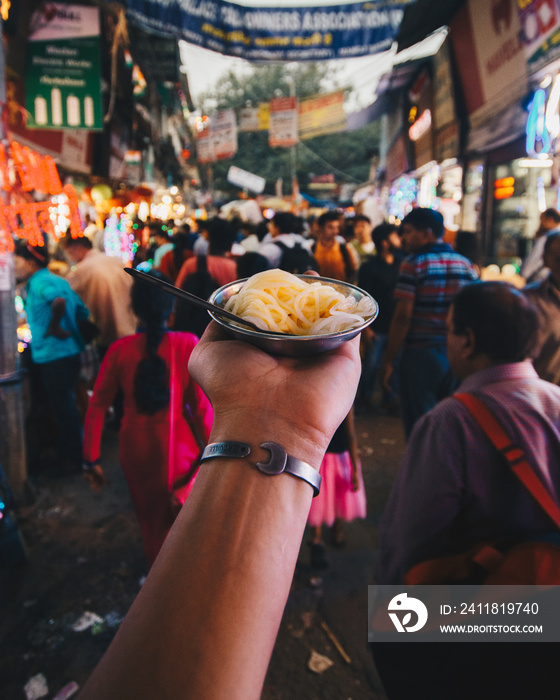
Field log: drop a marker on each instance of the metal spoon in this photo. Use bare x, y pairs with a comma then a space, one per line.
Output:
172, 289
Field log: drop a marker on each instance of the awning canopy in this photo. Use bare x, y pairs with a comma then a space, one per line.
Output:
424, 17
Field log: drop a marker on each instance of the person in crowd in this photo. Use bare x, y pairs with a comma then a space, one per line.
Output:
466, 244
453, 492
201, 244
90, 228
99, 281
221, 267
332, 255
250, 241
167, 418
362, 243
172, 261
216, 594
533, 269
285, 249
428, 280
53, 311
378, 275
342, 497
546, 297
250, 264
162, 241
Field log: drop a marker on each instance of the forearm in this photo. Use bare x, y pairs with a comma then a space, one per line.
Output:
206, 619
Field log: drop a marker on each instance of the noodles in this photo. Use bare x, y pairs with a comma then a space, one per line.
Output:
275, 300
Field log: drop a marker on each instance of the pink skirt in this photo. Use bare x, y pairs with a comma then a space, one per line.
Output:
336, 498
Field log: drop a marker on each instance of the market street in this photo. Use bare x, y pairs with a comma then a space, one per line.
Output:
85, 554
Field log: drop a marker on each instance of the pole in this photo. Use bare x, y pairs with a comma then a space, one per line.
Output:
12, 441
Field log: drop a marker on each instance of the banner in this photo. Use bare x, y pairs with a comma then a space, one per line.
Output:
276, 34
540, 23
283, 129
322, 115
218, 139
63, 73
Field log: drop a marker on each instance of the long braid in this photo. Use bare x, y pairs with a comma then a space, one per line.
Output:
151, 380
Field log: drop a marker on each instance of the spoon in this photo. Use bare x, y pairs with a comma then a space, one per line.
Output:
181, 293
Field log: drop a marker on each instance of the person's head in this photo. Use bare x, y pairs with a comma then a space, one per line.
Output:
282, 222
247, 229
153, 307
490, 323
76, 248
421, 227
549, 219
466, 243
250, 264
328, 226
386, 238
221, 236
551, 255
362, 228
29, 259
183, 242
158, 233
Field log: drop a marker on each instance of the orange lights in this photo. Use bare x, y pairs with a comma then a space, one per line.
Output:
504, 187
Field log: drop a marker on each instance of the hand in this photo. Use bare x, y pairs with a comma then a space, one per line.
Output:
95, 478
297, 402
355, 480
57, 332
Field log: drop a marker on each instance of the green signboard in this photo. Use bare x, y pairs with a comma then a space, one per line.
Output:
63, 74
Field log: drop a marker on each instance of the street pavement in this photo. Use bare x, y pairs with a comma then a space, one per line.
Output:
85, 555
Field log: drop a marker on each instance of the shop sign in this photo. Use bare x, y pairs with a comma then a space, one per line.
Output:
446, 129
204, 146
490, 57
396, 159
63, 73
540, 20
321, 115
283, 129
420, 126
275, 33
420, 131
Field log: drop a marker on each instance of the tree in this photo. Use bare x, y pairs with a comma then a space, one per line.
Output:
347, 155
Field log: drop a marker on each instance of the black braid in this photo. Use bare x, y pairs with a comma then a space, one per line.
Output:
151, 380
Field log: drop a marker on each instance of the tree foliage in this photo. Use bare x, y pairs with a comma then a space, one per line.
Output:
347, 154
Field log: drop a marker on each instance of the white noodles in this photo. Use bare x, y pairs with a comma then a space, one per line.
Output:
277, 301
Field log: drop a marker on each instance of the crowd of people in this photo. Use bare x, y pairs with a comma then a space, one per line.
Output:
440, 331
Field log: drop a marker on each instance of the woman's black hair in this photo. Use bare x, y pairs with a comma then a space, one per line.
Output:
151, 380
182, 241
39, 254
250, 264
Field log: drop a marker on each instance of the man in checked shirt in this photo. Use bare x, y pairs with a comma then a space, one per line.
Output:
428, 280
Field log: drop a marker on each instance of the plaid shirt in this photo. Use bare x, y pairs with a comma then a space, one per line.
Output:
431, 277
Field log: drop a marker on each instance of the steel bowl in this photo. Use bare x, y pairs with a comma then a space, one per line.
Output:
284, 343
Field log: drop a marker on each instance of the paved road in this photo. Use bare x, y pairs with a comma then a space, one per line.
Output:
85, 554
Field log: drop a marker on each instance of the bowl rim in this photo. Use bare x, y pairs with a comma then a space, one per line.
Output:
287, 336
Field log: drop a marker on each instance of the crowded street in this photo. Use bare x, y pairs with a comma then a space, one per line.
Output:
279, 349
85, 555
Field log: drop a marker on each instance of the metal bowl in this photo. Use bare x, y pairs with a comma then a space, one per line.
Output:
292, 345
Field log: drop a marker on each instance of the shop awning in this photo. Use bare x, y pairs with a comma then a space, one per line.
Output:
422, 18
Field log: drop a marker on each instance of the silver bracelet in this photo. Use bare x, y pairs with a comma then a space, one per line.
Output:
278, 463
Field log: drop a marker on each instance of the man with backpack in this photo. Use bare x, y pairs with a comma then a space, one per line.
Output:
330, 250
284, 248
455, 492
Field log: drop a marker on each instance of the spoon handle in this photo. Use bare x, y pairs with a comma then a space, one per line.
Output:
182, 294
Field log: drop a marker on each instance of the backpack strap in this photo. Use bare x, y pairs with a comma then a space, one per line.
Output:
514, 454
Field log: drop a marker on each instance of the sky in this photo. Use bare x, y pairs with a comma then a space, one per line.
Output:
204, 67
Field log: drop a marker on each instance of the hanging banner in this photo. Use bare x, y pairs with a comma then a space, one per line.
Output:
204, 146
223, 131
322, 115
283, 129
63, 73
276, 34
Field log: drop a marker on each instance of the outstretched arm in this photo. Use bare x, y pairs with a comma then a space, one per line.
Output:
205, 621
